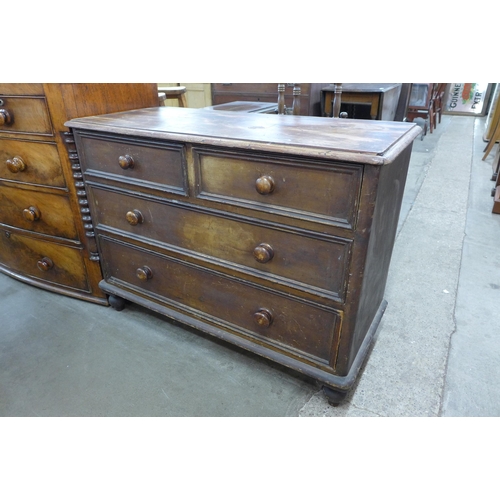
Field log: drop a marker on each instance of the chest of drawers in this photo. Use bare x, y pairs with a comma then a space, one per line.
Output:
46, 237
272, 232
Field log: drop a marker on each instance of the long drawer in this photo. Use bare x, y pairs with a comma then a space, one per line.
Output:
43, 260
39, 212
265, 316
301, 259
152, 165
25, 115
31, 162
327, 193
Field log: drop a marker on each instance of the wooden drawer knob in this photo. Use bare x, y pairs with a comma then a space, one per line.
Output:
45, 264
32, 214
263, 318
264, 184
126, 161
134, 217
5, 117
144, 273
15, 164
263, 253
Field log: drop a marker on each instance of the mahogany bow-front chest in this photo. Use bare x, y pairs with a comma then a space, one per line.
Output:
272, 232
46, 237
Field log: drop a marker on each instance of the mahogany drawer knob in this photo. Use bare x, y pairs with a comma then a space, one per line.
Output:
5, 117
134, 217
15, 164
263, 318
144, 273
45, 264
263, 253
31, 213
126, 161
264, 184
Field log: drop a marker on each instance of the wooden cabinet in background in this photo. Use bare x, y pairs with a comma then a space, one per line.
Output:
46, 235
310, 94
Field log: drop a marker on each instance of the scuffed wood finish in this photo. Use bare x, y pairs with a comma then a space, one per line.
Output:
45, 225
279, 241
349, 140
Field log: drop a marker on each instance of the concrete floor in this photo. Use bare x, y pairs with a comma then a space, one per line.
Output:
437, 351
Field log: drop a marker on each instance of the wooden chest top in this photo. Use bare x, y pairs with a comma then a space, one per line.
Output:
362, 141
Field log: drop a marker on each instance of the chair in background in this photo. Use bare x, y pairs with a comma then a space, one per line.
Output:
282, 110
437, 99
421, 105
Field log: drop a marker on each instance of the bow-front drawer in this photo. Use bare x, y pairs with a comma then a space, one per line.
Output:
320, 192
24, 115
31, 162
265, 316
26, 257
39, 212
143, 165
301, 259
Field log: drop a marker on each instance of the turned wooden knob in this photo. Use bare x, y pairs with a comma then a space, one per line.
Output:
5, 117
263, 318
126, 161
264, 184
144, 273
263, 253
15, 164
134, 217
31, 213
45, 264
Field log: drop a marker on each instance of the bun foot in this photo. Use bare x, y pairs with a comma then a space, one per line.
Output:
334, 396
116, 302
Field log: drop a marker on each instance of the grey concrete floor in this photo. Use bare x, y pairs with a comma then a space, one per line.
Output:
437, 351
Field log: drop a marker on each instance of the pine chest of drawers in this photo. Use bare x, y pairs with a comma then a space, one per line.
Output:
46, 237
272, 232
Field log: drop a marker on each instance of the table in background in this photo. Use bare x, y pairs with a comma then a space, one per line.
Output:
381, 97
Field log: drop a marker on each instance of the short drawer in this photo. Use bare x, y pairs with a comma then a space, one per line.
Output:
303, 260
31, 162
151, 165
24, 115
327, 193
39, 212
262, 315
43, 260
